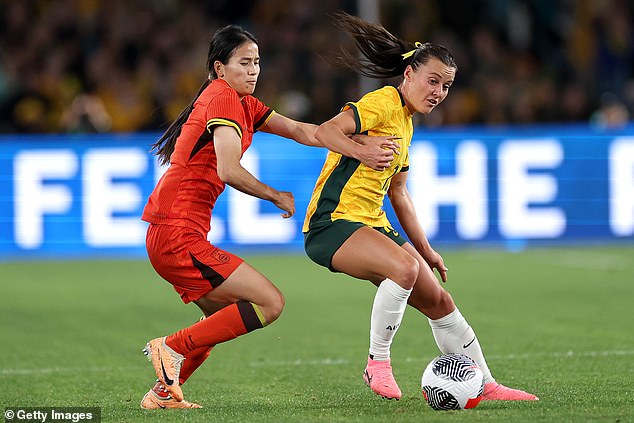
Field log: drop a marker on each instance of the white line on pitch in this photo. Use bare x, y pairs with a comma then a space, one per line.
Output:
42, 371
340, 361
332, 362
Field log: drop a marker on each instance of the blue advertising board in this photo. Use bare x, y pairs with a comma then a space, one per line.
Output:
82, 195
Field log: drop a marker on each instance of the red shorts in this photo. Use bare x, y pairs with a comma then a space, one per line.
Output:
188, 261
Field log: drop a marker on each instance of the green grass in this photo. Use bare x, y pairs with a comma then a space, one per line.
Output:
556, 322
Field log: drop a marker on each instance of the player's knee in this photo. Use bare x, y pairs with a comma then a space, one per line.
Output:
274, 307
279, 304
407, 271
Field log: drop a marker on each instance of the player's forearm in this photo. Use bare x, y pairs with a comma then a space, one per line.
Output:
304, 133
406, 215
301, 132
415, 234
240, 179
331, 137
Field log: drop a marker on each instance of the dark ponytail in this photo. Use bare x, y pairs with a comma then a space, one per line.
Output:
223, 44
383, 52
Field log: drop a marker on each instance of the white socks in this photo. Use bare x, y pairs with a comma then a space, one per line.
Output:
454, 335
452, 332
387, 312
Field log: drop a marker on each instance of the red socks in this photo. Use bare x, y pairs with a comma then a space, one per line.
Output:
224, 325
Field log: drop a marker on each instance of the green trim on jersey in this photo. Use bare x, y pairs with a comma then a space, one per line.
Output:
357, 118
332, 190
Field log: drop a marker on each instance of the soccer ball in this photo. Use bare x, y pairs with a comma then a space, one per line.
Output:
452, 382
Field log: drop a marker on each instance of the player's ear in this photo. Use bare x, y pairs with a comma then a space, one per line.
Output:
219, 68
408, 72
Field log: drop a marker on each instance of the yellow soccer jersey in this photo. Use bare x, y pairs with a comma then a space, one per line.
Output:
346, 188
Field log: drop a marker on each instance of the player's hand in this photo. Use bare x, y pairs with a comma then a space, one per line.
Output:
383, 141
377, 152
435, 261
285, 201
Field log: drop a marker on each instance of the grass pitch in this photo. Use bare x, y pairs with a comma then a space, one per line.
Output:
557, 322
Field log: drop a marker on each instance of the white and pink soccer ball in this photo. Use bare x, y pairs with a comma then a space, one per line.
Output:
452, 382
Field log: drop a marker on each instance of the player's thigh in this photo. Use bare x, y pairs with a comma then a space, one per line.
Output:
369, 254
428, 296
189, 262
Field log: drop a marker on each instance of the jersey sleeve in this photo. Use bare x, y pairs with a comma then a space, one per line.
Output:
370, 111
261, 112
405, 167
225, 110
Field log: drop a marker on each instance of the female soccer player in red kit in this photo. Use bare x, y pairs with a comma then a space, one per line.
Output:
203, 147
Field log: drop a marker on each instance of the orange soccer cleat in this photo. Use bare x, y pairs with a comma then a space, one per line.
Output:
158, 397
167, 365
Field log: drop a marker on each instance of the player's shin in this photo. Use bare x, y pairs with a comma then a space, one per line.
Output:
193, 360
389, 306
387, 313
227, 324
454, 335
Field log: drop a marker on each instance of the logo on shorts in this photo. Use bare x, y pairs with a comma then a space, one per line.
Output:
220, 255
390, 230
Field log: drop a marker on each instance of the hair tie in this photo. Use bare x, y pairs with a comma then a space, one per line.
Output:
411, 52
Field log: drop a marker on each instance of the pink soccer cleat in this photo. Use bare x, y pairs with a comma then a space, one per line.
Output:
494, 391
378, 376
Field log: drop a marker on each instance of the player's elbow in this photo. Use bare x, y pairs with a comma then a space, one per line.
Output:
397, 192
325, 132
226, 173
320, 133
394, 195
304, 133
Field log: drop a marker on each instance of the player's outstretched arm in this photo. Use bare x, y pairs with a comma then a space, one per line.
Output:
302, 132
370, 150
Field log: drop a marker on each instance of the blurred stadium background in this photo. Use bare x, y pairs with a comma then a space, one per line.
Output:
122, 66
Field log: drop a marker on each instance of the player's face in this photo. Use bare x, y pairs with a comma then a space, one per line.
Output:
242, 69
427, 86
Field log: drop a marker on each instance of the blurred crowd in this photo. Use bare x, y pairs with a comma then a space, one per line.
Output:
126, 66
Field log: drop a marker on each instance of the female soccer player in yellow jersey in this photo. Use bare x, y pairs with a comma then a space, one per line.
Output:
346, 229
